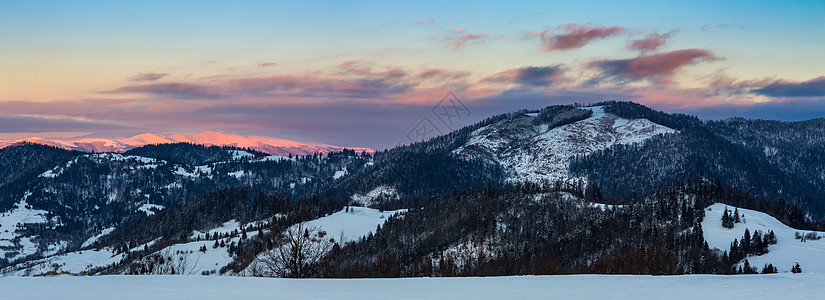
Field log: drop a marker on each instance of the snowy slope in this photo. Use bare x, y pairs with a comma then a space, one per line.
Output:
536, 153
382, 192
76, 262
783, 255
13, 245
774, 286
274, 146
343, 226
352, 225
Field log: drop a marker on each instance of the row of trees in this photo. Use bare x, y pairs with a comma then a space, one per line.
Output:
749, 244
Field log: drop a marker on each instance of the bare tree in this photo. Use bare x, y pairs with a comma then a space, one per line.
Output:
298, 253
164, 262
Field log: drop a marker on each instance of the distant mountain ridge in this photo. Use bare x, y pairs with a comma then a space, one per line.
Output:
270, 145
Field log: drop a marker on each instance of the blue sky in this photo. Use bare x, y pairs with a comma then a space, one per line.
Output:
361, 73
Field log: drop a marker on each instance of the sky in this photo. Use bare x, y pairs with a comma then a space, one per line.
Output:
365, 73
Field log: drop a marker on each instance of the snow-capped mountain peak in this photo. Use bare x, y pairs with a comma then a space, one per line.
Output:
270, 145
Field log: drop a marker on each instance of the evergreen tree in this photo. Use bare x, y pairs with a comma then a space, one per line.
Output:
745, 244
771, 238
796, 268
727, 220
747, 269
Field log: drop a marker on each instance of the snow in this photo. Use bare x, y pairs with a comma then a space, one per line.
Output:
274, 146
603, 206
620, 123
184, 172
197, 172
783, 255
752, 287
340, 173
532, 114
226, 227
375, 194
57, 171
73, 262
195, 261
352, 225
240, 154
236, 174
50, 174
770, 151
20, 214
534, 153
150, 209
274, 158
103, 232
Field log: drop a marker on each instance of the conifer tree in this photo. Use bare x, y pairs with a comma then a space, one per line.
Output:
727, 220
796, 269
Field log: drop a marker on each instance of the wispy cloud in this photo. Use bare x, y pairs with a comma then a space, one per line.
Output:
174, 90
721, 26
424, 21
574, 36
651, 42
148, 76
355, 80
268, 64
456, 42
39, 123
781, 88
528, 76
657, 67
442, 75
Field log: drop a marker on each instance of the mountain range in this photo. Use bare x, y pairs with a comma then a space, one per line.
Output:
612, 187
270, 145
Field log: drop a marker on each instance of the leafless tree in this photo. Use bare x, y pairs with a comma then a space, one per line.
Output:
298, 252
166, 262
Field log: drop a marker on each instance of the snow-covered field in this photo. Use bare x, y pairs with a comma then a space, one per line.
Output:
783, 255
751, 287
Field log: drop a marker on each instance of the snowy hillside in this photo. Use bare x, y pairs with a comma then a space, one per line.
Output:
352, 224
788, 250
203, 256
534, 152
12, 244
774, 286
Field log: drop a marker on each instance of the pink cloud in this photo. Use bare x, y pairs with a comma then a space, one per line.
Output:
441, 75
459, 30
175, 90
148, 76
651, 42
349, 63
574, 36
463, 40
269, 64
424, 21
659, 67
351, 80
